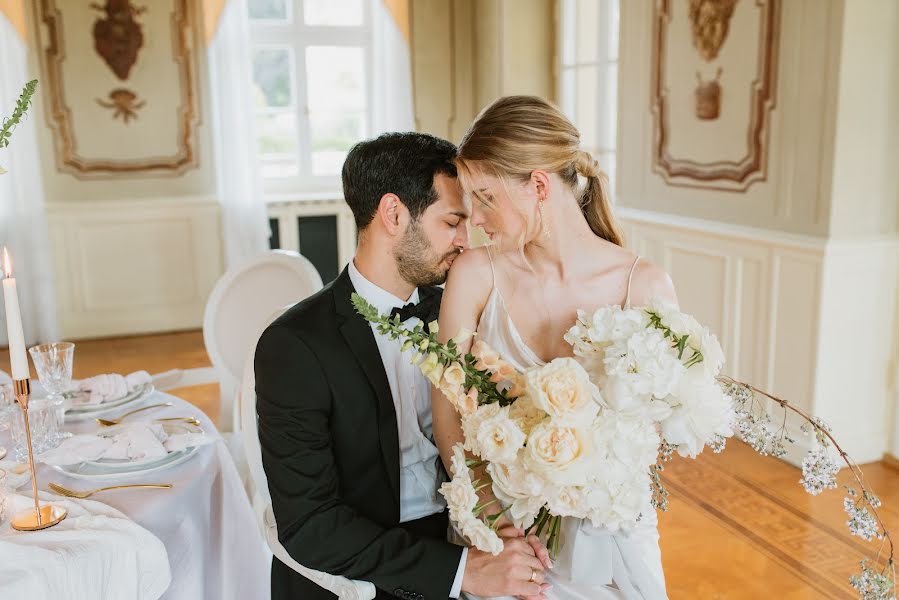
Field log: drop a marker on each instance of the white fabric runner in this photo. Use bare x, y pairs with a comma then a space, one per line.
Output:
95, 553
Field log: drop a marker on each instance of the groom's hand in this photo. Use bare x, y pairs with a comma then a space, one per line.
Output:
515, 572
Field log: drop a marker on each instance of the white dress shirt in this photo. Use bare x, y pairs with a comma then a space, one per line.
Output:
411, 393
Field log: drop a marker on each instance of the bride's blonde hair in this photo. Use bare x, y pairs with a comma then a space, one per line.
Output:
519, 134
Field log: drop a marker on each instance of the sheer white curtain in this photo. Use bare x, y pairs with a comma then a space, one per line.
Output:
392, 105
23, 219
238, 183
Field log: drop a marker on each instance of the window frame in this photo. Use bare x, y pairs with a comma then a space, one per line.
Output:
567, 19
295, 34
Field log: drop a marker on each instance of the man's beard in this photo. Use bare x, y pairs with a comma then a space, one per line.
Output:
416, 260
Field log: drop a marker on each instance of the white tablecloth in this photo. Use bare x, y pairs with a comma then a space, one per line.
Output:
205, 522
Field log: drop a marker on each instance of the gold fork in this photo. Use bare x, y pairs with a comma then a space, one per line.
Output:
110, 422
86, 494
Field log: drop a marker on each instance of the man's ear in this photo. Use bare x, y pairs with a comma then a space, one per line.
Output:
393, 214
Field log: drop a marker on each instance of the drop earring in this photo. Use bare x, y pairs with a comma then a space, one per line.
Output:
542, 218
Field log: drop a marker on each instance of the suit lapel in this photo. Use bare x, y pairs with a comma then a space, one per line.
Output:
361, 340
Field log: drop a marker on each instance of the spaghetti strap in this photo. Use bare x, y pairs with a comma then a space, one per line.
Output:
630, 277
492, 268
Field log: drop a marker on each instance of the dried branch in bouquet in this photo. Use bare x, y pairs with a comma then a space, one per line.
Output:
877, 580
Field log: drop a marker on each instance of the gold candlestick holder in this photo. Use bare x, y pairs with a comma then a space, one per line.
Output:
39, 517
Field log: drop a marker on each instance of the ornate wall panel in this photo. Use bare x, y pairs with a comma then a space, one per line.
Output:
120, 85
714, 73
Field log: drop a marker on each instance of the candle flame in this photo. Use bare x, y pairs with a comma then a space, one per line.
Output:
7, 263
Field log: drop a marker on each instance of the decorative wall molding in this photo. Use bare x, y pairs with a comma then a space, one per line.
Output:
134, 266
683, 168
77, 116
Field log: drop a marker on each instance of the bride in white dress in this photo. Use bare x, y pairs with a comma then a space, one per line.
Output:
555, 248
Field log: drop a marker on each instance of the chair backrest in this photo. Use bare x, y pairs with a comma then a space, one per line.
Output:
241, 301
344, 588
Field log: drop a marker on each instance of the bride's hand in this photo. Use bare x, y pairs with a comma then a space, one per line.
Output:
540, 551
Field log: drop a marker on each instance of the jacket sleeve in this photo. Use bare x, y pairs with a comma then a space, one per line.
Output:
315, 526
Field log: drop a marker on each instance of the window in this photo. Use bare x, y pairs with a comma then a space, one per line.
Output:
311, 88
588, 74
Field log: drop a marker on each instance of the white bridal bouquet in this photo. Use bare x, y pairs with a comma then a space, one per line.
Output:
586, 437
578, 437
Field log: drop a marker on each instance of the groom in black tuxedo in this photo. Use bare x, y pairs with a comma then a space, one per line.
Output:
345, 419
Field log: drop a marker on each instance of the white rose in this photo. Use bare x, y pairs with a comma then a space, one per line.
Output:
525, 414
701, 411
568, 501
459, 462
460, 496
562, 455
499, 438
563, 390
481, 536
472, 422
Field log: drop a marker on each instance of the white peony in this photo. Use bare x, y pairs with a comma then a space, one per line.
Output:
701, 411
499, 438
646, 361
621, 397
563, 455
519, 489
563, 390
632, 442
612, 323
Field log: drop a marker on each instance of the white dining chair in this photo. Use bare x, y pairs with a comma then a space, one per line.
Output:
239, 304
343, 588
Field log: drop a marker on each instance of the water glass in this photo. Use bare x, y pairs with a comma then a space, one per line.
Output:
53, 363
7, 404
4, 493
44, 428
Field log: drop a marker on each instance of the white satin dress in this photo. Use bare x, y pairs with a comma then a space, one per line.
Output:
593, 563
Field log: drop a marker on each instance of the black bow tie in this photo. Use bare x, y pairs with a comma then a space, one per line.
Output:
427, 309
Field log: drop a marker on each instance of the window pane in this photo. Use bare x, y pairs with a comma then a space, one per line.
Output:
336, 104
272, 76
587, 105
268, 10
609, 106
568, 24
332, 12
588, 31
612, 30
567, 96
276, 133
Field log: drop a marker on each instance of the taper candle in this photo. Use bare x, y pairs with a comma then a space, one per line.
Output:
18, 359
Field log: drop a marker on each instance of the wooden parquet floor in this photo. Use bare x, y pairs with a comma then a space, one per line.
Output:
739, 526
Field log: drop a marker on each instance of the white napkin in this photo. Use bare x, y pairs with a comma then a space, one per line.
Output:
131, 441
95, 552
109, 386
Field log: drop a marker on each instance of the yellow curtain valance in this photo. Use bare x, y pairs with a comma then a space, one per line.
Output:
212, 12
14, 11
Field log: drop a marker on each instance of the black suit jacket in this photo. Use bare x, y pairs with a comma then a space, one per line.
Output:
330, 448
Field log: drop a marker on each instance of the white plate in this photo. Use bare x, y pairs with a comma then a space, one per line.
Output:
170, 427
79, 412
15, 480
105, 468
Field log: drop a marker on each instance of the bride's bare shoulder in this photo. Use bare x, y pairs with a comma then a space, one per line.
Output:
472, 271
651, 281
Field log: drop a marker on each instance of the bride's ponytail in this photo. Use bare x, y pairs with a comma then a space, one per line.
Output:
517, 135
595, 200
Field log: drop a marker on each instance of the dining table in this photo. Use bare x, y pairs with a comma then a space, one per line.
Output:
205, 521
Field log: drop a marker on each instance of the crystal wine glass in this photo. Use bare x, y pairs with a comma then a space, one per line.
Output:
53, 363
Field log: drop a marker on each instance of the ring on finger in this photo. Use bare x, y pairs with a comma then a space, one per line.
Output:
533, 578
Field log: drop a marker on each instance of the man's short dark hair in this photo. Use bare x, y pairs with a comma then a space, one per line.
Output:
395, 163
